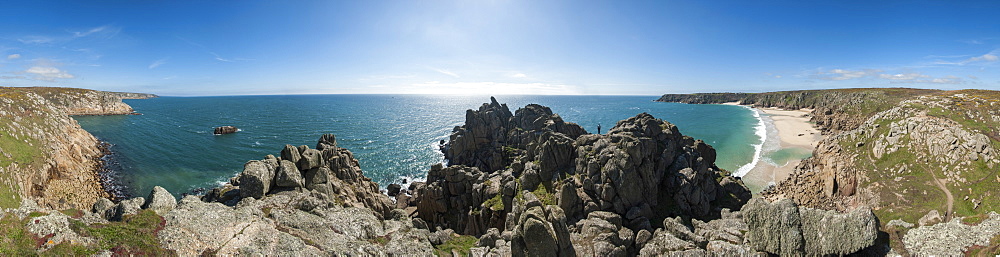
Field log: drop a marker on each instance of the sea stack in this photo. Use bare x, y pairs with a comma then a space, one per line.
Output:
225, 130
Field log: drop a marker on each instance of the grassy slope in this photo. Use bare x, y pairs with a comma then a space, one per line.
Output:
16, 145
971, 111
134, 236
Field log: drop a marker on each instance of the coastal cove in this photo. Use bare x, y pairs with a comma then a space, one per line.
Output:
395, 137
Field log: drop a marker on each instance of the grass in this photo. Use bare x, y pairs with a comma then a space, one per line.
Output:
22, 149
16, 146
16, 240
73, 213
18, 149
543, 194
135, 235
458, 243
495, 203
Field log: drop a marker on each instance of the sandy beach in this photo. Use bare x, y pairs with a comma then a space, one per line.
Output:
794, 128
795, 134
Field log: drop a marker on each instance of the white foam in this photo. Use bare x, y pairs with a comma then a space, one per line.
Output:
761, 131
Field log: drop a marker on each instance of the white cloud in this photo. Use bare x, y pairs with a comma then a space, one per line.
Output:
518, 75
36, 40
990, 57
841, 74
946, 80
106, 31
91, 31
13, 56
157, 63
446, 72
903, 76
894, 78
219, 58
912, 78
777, 76
48, 73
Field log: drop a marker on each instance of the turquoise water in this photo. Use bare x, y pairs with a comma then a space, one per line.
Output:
393, 136
782, 157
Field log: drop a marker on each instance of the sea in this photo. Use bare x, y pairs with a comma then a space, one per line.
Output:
394, 137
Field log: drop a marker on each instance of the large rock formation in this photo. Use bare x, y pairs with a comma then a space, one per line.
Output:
953, 238
44, 154
76, 101
640, 165
785, 229
534, 176
492, 137
332, 172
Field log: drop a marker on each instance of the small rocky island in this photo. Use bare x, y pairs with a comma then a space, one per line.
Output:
225, 130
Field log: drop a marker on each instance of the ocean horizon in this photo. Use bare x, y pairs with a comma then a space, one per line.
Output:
394, 137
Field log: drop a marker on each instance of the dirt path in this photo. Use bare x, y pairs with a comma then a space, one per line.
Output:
951, 200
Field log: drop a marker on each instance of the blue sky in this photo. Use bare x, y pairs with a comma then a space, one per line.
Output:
497, 47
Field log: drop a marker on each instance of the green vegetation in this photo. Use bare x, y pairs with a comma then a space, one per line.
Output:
495, 203
380, 240
544, 195
860, 101
16, 240
18, 149
135, 235
459, 244
73, 213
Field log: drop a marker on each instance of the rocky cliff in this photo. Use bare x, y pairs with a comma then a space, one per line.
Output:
531, 184
904, 152
44, 154
75, 101
835, 110
642, 189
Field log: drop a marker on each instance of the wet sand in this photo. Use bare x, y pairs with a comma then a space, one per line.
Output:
793, 131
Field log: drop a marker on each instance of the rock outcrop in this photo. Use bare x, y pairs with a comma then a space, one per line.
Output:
492, 136
225, 130
535, 178
76, 101
332, 172
641, 164
785, 229
952, 238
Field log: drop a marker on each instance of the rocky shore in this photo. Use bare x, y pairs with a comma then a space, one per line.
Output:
525, 183
535, 185
46, 156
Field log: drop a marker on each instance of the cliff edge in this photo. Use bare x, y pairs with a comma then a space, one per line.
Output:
44, 154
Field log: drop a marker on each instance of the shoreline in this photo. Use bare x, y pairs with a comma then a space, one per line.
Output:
789, 132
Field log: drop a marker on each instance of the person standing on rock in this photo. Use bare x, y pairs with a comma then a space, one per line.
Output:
598, 128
